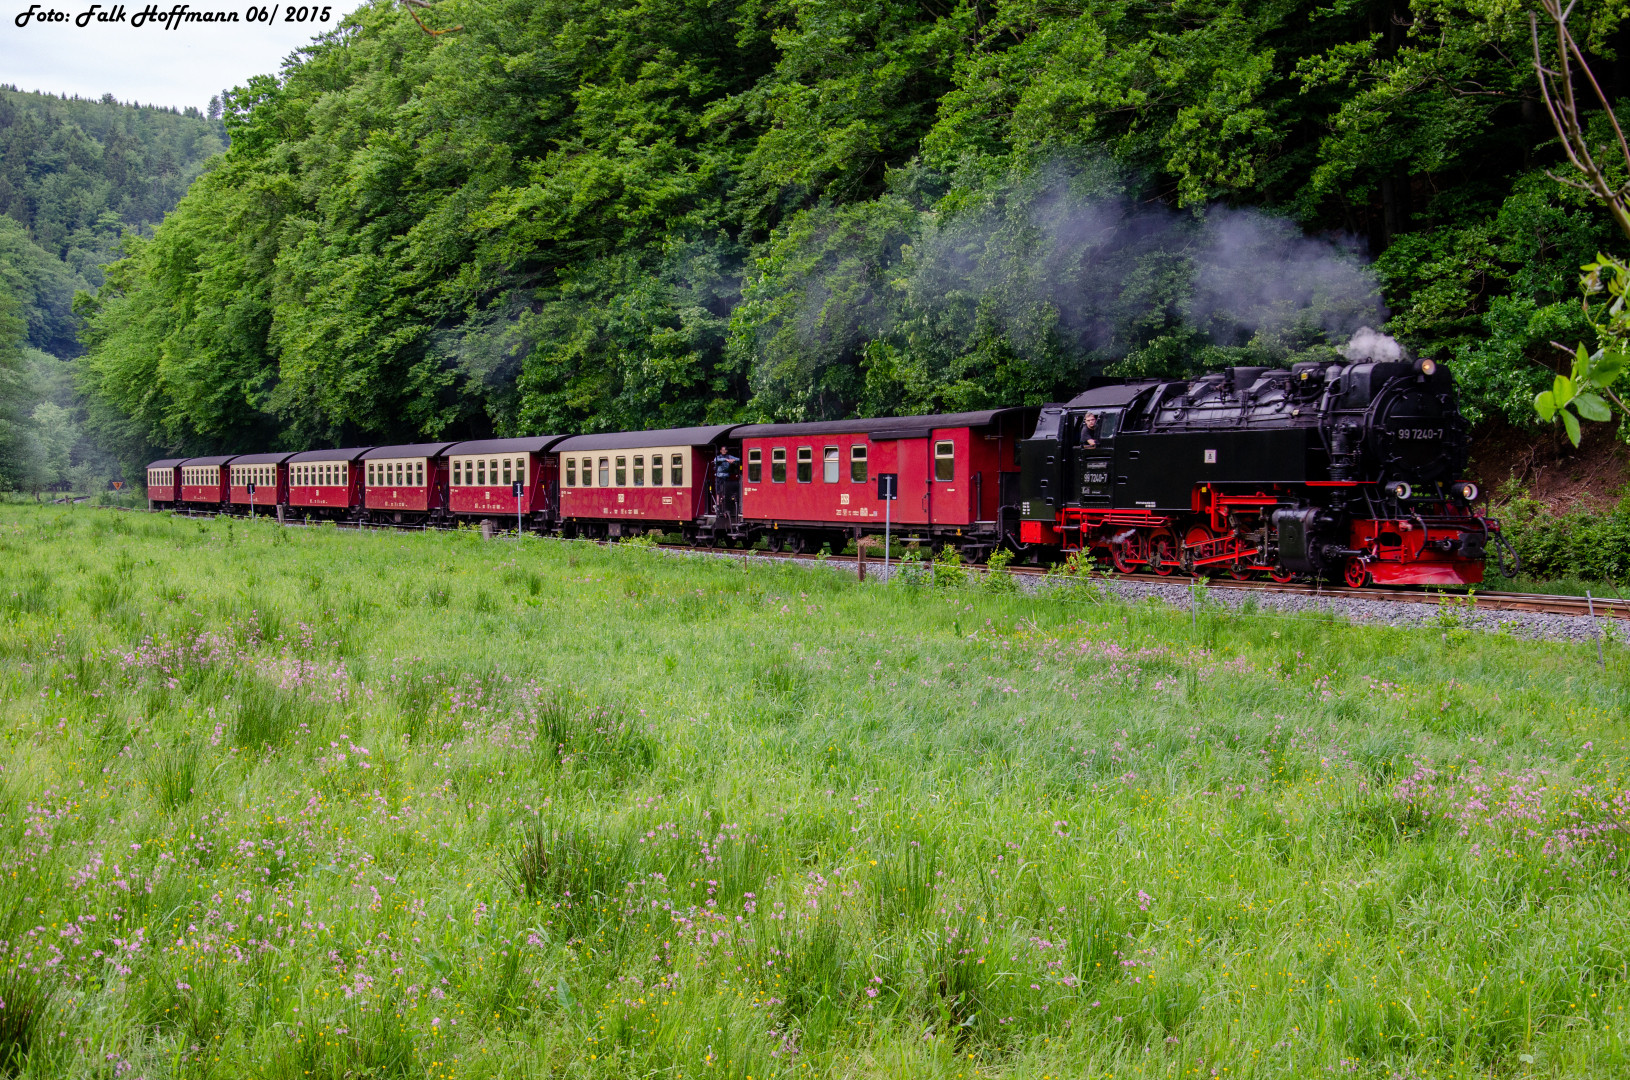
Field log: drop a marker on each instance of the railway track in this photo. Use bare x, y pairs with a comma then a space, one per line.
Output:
1598, 607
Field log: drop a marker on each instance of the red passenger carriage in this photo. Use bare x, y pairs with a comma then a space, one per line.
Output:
269, 474
204, 483
483, 475
326, 485
805, 484
407, 484
629, 482
163, 483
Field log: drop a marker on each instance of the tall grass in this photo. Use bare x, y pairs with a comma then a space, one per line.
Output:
312, 803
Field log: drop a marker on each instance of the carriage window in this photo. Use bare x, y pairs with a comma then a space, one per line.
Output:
806, 464
755, 466
508, 474
676, 471
605, 472
656, 470
373, 475
622, 472
829, 465
571, 472
778, 465
945, 461
639, 470
418, 472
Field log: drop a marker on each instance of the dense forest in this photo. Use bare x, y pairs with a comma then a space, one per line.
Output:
76, 178
565, 215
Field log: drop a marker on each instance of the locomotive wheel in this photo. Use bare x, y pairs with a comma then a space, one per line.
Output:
1241, 572
1192, 539
1118, 554
1356, 575
1163, 555
1282, 576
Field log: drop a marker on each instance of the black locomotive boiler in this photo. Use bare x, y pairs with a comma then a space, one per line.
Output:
1347, 472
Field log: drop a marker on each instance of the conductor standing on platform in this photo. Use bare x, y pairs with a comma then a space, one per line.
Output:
727, 483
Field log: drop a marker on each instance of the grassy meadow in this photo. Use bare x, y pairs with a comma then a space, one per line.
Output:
311, 803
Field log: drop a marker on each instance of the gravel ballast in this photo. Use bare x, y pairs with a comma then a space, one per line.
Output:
1180, 595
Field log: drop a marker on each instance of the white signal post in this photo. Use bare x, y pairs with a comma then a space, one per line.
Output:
516, 489
251, 502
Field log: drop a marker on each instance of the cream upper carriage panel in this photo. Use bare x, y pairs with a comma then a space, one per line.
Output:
631, 467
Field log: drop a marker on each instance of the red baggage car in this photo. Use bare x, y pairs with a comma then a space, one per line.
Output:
628, 482
807, 484
405, 485
204, 483
270, 475
163, 483
326, 485
483, 475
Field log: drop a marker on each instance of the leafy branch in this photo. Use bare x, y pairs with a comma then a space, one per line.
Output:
409, 5
1585, 393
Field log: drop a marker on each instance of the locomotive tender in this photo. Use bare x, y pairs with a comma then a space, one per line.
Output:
1343, 471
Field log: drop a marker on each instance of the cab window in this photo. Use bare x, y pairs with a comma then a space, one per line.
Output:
806, 464
778, 465
829, 465
755, 466
945, 461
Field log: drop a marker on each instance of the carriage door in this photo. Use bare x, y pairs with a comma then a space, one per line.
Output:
951, 480
916, 471
1095, 455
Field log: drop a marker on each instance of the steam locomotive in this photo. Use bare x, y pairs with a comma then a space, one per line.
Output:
1351, 472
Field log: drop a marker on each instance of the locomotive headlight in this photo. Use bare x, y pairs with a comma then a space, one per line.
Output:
1466, 490
1426, 367
1398, 489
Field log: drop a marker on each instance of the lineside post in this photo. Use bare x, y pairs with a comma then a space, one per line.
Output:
888, 489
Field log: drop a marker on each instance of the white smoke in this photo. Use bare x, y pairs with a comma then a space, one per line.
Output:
1372, 345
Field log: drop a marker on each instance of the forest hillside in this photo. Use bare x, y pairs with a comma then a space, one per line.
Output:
76, 177
569, 216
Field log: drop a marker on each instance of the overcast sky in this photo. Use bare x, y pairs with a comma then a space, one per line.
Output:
149, 64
